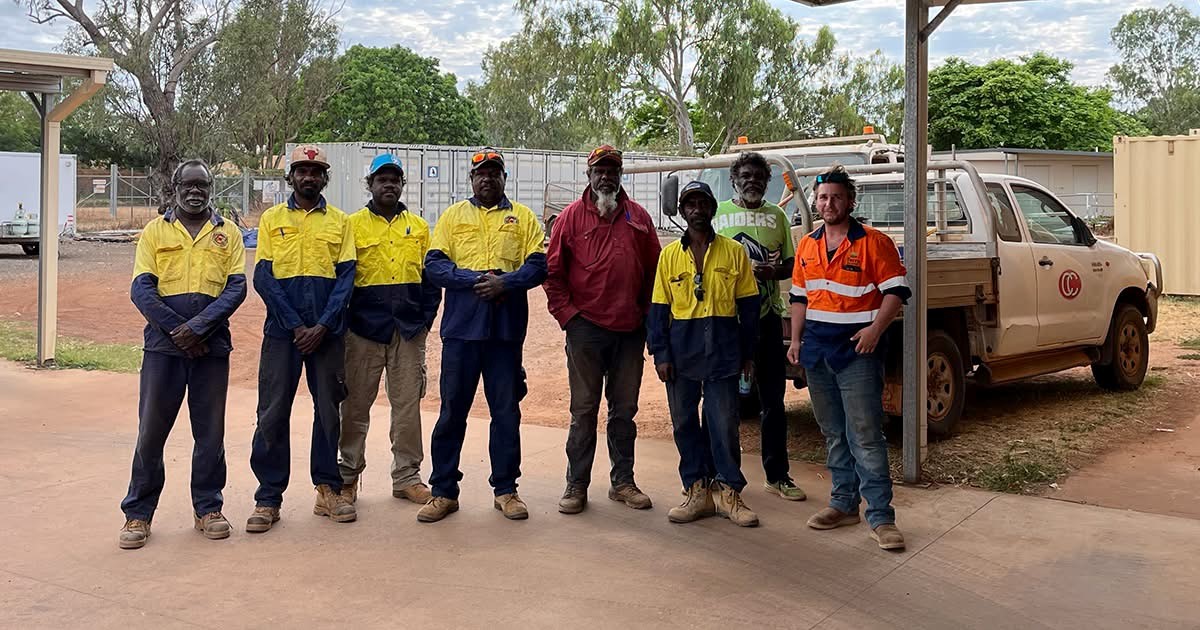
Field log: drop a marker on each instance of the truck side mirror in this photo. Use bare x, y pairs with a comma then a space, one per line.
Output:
1082, 231
668, 195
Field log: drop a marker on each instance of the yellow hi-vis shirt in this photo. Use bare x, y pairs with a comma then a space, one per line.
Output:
304, 267
389, 291
704, 337
199, 281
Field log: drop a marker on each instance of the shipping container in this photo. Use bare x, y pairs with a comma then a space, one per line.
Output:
1156, 187
438, 176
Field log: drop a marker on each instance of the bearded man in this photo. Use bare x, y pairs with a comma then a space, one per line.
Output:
601, 263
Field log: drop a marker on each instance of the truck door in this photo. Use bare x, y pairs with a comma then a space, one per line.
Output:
1017, 311
1069, 299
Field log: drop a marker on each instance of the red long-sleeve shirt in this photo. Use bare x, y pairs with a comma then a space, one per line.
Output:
602, 269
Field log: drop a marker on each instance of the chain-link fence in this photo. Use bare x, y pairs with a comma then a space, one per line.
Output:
126, 199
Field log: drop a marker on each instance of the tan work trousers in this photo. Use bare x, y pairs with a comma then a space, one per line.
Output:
366, 361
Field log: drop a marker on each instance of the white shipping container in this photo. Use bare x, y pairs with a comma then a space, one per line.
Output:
438, 176
20, 186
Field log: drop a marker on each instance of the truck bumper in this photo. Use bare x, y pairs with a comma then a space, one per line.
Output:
1154, 288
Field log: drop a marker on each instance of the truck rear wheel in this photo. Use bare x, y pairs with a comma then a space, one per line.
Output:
1128, 345
946, 384
30, 249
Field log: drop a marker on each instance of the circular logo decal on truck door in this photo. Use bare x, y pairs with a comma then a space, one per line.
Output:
1070, 285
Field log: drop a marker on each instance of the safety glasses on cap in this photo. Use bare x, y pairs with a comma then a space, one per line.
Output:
599, 153
486, 154
833, 178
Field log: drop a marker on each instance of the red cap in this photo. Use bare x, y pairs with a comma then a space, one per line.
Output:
604, 152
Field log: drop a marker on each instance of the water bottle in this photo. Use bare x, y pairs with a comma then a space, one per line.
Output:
744, 384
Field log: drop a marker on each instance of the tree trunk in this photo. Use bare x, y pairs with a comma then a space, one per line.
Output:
687, 135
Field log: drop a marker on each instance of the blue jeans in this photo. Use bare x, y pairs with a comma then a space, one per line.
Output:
709, 445
463, 362
849, 408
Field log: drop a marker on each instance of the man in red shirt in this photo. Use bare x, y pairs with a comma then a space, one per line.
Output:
601, 263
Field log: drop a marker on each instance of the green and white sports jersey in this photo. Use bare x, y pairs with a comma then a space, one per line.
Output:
766, 234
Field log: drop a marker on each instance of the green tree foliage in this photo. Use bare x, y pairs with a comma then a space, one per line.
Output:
395, 95
274, 70
1159, 72
869, 91
19, 125
1031, 104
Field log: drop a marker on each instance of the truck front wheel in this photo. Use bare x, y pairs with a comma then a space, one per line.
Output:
1129, 346
946, 384
30, 249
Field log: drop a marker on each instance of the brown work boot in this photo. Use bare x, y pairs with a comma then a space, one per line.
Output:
213, 525
262, 519
889, 537
333, 505
830, 518
512, 506
697, 505
437, 509
350, 491
729, 505
631, 495
573, 500
417, 493
134, 534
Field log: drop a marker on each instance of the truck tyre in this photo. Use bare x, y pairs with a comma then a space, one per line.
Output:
1129, 346
946, 384
30, 249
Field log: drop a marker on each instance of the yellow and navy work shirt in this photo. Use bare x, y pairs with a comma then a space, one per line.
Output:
844, 290
469, 241
304, 267
707, 337
390, 293
198, 281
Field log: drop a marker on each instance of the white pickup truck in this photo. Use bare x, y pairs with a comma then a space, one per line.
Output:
1017, 286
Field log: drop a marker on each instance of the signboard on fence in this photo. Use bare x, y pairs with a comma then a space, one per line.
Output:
99, 186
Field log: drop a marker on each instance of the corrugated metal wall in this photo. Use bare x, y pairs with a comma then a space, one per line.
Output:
438, 175
1157, 190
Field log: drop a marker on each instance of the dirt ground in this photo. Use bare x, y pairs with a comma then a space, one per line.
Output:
1019, 438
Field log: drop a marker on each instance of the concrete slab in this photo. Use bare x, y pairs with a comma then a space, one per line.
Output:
976, 559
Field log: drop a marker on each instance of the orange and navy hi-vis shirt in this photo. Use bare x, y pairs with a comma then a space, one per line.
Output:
843, 292
705, 329
198, 281
391, 293
304, 268
470, 240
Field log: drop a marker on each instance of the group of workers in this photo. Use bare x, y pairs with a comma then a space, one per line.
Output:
352, 297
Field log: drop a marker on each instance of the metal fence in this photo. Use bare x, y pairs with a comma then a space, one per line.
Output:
125, 198
1090, 205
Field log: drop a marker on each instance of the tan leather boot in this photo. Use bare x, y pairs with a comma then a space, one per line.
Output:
437, 509
729, 505
333, 505
697, 505
134, 534
262, 519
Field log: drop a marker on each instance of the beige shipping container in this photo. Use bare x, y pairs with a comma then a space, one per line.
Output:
1156, 188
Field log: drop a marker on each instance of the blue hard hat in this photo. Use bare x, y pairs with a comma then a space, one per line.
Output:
384, 160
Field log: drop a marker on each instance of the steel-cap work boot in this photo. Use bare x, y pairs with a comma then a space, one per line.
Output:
697, 505
631, 495
437, 509
350, 490
333, 505
729, 505
262, 519
512, 506
134, 534
573, 500
830, 518
213, 525
888, 536
417, 493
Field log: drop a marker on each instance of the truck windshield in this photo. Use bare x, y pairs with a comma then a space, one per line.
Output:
882, 205
718, 178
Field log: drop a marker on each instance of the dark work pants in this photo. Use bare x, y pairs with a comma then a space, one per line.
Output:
770, 365
709, 444
165, 380
278, 377
608, 363
463, 362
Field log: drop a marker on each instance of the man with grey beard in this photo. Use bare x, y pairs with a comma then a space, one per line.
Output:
601, 263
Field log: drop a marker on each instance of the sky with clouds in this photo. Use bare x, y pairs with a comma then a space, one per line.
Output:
459, 31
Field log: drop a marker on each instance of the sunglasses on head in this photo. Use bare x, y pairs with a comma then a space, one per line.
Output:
833, 178
599, 153
486, 154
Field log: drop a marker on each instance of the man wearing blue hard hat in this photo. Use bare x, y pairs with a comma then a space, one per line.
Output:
391, 311
701, 330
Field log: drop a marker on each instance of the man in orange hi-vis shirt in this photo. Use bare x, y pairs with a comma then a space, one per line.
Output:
848, 286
